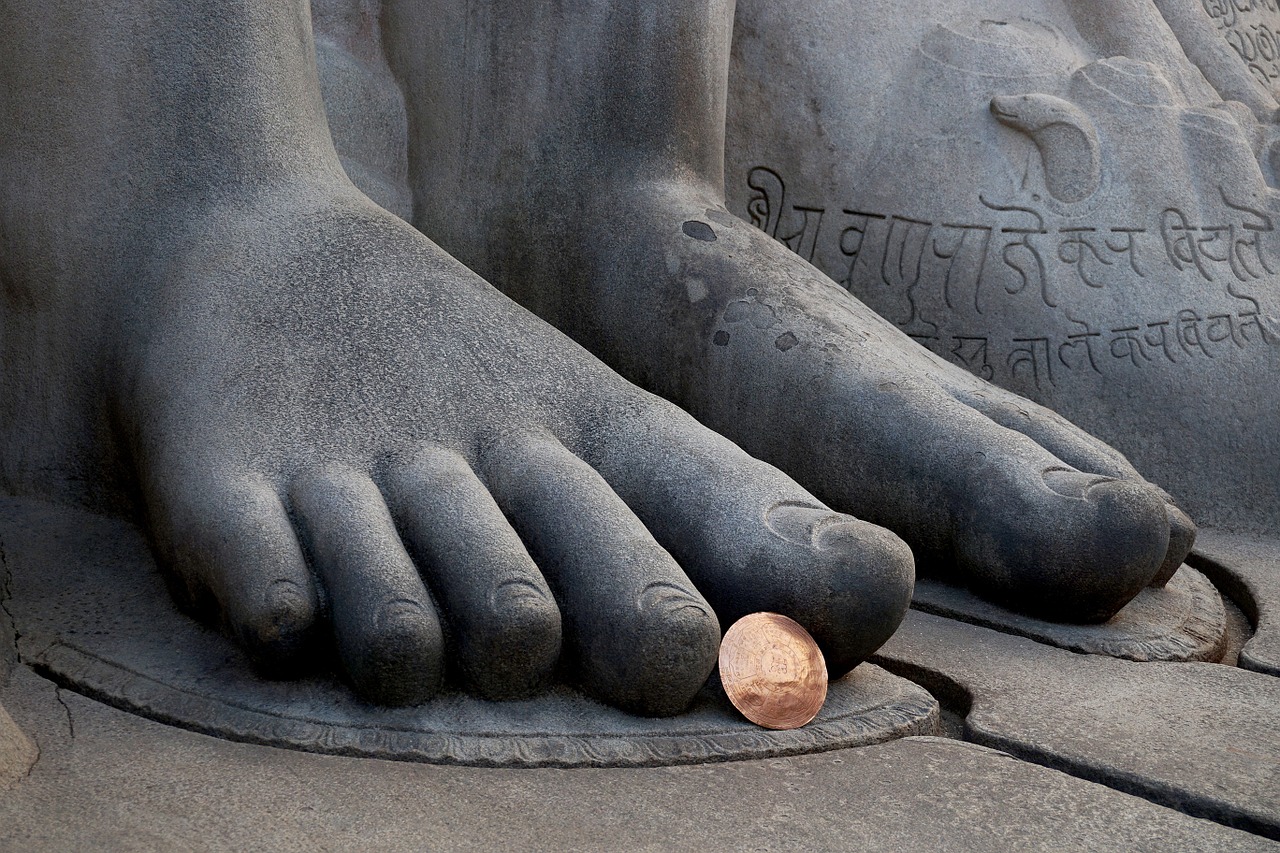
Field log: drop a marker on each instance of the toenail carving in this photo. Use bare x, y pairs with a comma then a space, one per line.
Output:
801, 523
513, 593
699, 231
1072, 484
287, 604
400, 614
669, 598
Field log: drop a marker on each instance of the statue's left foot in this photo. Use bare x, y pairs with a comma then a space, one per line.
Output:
596, 200
988, 488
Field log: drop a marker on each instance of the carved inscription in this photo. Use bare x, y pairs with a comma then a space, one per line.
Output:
1245, 26
1019, 253
1042, 360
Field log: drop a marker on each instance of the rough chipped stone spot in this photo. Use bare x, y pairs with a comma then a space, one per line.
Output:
699, 231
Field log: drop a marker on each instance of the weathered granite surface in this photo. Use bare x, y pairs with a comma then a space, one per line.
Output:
1052, 194
1182, 620
17, 752
1248, 568
1199, 737
90, 605
208, 327
122, 782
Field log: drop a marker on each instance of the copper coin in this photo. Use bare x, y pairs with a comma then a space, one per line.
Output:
773, 671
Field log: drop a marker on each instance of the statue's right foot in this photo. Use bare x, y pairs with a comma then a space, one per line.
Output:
339, 436
335, 422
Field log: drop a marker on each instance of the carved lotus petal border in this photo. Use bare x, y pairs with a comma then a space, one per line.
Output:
92, 613
904, 710
1184, 621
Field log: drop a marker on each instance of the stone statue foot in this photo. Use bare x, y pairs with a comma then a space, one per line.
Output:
988, 488
374, 438
597, 203
342, 440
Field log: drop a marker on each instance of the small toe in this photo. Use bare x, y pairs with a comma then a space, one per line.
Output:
503, 618
387, 632
232, 536
1050, 430
1072, 547
640, 635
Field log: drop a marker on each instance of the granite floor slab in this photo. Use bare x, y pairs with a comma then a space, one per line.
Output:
1183, 620
1248, 569
1200, 737
109, 780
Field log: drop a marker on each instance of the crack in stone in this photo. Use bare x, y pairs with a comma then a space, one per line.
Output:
26, 774
32, 768
71, 723
6, 595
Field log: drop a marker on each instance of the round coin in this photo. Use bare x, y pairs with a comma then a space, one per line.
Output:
773, 671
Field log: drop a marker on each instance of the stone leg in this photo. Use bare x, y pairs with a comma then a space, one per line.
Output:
574, 158
339, 437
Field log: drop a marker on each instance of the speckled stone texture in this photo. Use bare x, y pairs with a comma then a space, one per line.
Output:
110, 780
1199, 737
17, 752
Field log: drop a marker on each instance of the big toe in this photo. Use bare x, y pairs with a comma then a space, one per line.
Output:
636, 630
1060, 543
752, 540
1077, 449
1182, 538
987, 505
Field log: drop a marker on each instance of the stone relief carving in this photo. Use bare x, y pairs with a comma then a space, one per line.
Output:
1094, 231
352, 442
